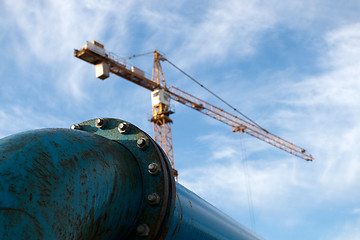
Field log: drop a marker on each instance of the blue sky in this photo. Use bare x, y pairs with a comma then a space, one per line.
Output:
292, 66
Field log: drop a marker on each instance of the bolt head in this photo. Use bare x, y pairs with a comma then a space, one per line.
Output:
154, 168
154, 199
124, 127
100, 123
76, 126
143, 230
142, 143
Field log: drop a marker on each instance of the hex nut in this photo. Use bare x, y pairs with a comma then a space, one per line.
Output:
100, 123
142, 143
154, 199
124, 127
154, 168
143, 230
76, 126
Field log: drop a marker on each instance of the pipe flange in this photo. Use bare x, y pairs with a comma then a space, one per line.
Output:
158, 183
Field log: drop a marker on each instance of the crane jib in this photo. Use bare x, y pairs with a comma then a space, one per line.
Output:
96, 55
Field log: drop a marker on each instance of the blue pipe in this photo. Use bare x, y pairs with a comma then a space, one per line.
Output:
62, 184
193, 218
103, 179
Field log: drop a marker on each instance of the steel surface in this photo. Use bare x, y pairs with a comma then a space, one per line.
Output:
193, 218
156, 217
104, 179
66, 184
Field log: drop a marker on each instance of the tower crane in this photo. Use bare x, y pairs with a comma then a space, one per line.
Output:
105, 62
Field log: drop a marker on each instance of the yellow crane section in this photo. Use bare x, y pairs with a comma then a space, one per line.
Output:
94, 53
238, 124
105, 62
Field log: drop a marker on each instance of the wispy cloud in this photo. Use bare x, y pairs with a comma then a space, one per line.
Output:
228, 27
355, 211
319, 111
44, 34
325, 117
19, 118
233, 29
349, 230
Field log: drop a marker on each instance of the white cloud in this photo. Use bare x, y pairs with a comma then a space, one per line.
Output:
349, 231
344, 47
321, 111
333, 101
18, 118
233, 26
44, 34
230, 29
340, 85
47, 31
355, 211
231, 180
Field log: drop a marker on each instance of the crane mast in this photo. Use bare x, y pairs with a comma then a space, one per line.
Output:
106, 62
160, 100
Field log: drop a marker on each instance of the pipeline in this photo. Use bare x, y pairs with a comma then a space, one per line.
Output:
102, 179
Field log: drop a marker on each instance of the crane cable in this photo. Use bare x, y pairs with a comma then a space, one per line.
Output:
201, 85
245, 164
139, 55
248, 183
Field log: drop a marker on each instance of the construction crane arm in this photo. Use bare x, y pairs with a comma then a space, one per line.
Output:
238, 124
88, 54
95, 54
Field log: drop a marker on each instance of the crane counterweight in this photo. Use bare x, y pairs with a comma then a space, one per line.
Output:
102, 70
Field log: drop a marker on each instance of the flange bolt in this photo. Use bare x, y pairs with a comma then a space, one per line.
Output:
100, 123
142, 143
154, 168
76, 126
143, 230
154, 199
124, 127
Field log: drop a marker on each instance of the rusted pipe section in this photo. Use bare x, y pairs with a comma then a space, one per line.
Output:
65, 184
101, 179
